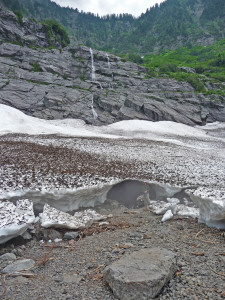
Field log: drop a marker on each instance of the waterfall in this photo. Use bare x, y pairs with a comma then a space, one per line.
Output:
92, 66
93, 78
95, 115
108, 60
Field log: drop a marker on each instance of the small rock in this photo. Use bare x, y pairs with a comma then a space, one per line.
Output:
115, 251
180, 227
26, 236
19, 252
71, 278
57, 240
8, 256
19, 265
17, 280
54, 234
71, 235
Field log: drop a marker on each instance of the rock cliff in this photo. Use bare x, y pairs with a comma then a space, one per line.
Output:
26, 32
72, 83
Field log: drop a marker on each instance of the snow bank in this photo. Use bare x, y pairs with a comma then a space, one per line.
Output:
65, 199
140, 127
52, 217
14, 220
14, 121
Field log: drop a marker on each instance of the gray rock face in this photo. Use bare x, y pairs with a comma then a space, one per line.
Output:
53, 84
28, 33
19, 265
142, 274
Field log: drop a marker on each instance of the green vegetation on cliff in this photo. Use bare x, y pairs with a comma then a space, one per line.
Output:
197, 66
19, 16
56, 33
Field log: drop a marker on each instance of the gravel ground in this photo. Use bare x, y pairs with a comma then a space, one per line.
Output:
200, 254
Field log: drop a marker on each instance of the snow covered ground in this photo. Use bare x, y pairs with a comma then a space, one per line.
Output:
68, 154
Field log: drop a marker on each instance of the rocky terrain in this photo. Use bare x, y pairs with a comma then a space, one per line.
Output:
74, 269
72, 82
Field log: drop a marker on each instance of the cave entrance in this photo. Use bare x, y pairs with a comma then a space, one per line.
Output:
128, 193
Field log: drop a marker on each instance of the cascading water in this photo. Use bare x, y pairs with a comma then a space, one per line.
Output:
95, 115
107, 56
100, 86
93, 78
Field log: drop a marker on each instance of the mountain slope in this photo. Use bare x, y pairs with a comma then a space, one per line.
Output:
171, 24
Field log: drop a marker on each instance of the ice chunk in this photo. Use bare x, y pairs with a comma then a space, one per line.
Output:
159, 207
89, 215
14, 220
51, 217
211, 207
167, 216
186, 211
173, 200
25, 209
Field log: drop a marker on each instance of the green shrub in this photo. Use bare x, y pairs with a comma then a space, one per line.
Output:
199, 69
219, 61
151, 72
197, 84
220, 76
56, 33
36, 67
83, 77
169, 68
19, 16
135, 58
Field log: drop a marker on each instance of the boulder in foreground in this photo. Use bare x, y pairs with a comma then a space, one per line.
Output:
142, 274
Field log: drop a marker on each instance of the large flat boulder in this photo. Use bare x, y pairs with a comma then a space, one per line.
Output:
142, 274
